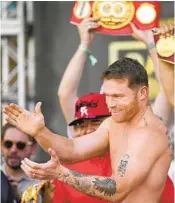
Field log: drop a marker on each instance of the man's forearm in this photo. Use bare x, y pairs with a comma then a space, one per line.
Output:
155, 60
62, 146
167, 80
67, 92
161, 106
73, 73
100, 187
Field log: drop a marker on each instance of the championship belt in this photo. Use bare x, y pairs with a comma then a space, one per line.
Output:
165, 47
115, 16
32, 192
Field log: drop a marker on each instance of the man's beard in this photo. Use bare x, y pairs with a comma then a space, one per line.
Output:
17, 167
14, 167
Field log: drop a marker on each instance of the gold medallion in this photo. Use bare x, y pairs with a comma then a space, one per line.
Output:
113, 14
166, 46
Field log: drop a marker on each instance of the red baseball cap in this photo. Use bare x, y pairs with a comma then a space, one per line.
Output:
90, 106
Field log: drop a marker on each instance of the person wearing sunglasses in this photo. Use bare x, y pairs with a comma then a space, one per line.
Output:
15, 146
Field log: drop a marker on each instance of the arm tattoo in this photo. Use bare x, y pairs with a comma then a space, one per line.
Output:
76, 174
123, 165
146, 124
108, 186
97, 186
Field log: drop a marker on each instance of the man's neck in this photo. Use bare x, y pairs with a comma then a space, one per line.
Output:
140, 115
18, 173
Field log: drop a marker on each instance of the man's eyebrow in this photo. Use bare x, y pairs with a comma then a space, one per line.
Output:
114, 94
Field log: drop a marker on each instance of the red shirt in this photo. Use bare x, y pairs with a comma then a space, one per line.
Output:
96, 166
168, 192
102, 167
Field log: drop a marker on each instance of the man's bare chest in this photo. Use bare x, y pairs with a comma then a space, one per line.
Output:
119, 152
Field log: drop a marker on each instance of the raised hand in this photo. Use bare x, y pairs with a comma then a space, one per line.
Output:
145, 36
44, 171
86, 30
26, 121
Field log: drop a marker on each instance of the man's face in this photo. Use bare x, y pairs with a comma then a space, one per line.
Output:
121, 100
87, 126
12, 154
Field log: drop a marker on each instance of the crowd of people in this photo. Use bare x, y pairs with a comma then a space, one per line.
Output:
119, 146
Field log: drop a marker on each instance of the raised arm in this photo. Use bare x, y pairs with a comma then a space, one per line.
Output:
161, 107
167, 80
67, 92
164, 73
68, 150
141, 154
167, 69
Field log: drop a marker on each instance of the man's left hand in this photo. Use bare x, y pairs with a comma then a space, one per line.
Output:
44, 171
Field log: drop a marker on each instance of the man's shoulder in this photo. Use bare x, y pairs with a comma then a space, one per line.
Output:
149, 132
150, 135
109, 122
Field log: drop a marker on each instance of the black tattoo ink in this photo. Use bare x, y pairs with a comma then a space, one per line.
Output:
108, 186
123, 164
145, 121
77, 174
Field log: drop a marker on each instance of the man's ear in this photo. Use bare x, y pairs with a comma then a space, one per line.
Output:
143, 93
34, 148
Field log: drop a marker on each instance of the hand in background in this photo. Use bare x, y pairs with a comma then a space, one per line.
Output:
86, 30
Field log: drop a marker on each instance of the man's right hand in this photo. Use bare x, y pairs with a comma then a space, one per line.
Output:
26, 121
86, 30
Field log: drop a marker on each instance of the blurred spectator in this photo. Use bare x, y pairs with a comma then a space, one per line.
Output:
94, 105
15, 146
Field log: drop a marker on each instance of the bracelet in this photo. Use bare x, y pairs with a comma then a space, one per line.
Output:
151, 46
91, 57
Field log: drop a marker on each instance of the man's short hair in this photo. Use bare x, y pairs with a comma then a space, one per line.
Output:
127, 68
8, 126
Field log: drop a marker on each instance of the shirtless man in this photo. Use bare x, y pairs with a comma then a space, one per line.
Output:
68, 94
137, 140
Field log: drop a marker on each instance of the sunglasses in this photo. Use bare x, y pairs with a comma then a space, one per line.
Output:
20, 145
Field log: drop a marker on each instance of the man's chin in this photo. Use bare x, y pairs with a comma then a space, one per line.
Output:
118, 119
14, 166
